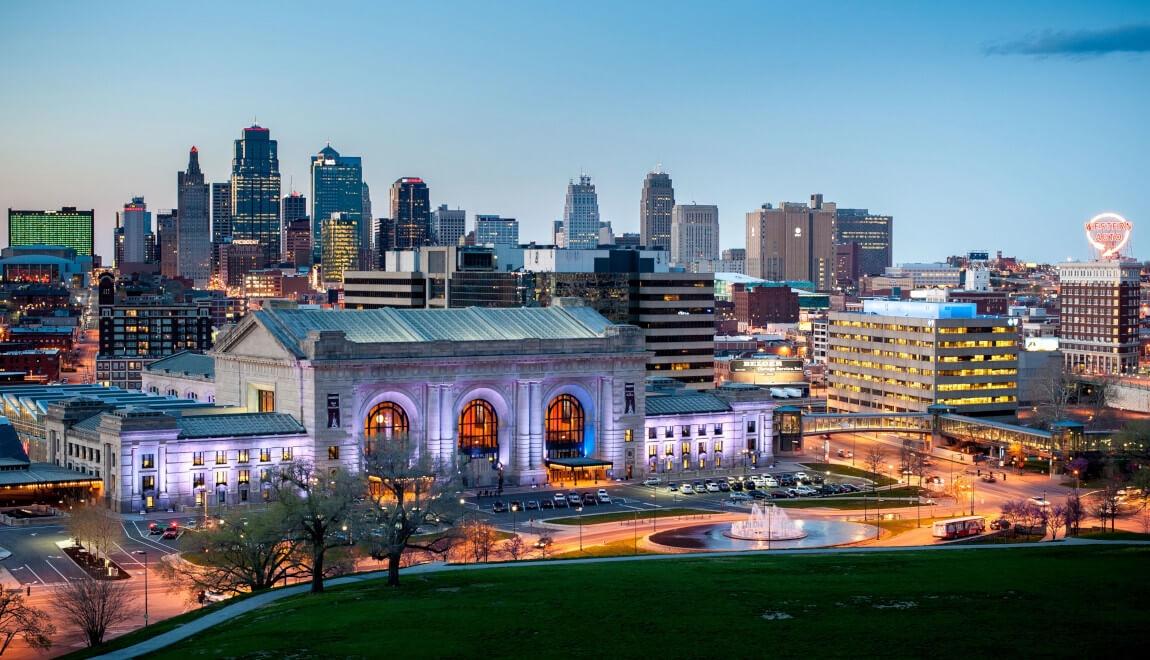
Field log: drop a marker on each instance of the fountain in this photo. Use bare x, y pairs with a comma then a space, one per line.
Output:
766, 522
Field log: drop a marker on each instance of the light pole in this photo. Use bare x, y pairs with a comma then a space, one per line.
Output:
655, 508
514, 510
579, 515
145, 554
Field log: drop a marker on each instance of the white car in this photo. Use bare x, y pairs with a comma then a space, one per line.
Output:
806, 491
739, 497
758, 481
652, 481
1039, 501
712, 487
770, 482
604, 498
686, 489
799, 476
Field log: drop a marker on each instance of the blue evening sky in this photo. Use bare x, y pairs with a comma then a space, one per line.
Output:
988, 125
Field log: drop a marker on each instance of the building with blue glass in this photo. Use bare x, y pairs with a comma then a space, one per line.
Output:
336, 187
255, 192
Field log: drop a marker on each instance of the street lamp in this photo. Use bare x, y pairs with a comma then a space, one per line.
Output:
514, 510
654, 507
579, 515
145, 554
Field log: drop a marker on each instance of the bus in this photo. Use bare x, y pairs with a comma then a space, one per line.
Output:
955, 528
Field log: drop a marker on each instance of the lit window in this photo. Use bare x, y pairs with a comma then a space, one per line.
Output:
148, 461
333, 453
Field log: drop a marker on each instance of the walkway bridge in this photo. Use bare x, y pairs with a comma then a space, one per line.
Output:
941, 422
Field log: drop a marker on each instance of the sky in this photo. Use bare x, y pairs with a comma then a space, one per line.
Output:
977, 125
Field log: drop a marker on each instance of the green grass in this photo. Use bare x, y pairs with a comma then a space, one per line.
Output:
621, 516
848, 504
621, 548
1118, 535
848, 471
941, 604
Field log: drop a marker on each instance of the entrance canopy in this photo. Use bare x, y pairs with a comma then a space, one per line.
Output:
577, 463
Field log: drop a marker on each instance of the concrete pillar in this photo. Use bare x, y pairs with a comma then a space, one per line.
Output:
446, 422
431, 423
522, 449
606, 437
537, 410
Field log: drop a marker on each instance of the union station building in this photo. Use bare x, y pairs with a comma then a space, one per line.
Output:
510, 396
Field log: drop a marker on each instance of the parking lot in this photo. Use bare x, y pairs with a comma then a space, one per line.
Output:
723, 492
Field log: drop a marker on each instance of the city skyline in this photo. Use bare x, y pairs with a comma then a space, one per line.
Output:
952, 109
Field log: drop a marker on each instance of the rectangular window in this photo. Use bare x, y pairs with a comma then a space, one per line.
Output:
244, 455
147, 461
333, 453
702, 429
750, 427
686, 449
147, 483
628, 435
267, 401
199, 498
265, 476
286, 454
198, 479
198, 458
245, 476
702, 447
718, 446
265, 455
652, 450
685, 431
221, 477
718, 429
652, 433
668, 431
221, 458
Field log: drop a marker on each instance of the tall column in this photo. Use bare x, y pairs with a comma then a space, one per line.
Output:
431, 423
606, 438
536, 407
446, 422
522, 426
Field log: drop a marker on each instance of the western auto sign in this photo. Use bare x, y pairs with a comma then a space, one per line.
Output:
1108, 233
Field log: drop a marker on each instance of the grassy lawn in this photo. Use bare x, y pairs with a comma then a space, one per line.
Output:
620, 516
848, 471
903, 604
620, 548
1117, 535
848, 504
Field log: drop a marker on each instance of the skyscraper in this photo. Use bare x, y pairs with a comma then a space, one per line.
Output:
68, 226
496, 230
581, 214
1099, 315
448, 225
256, 192
294, 208
193, 227
340, 249
221, 211
167, 240
793, 242
655, 209
872, 233
695, 237
136, 220
367, 232
297, 243
336, 187
410, 212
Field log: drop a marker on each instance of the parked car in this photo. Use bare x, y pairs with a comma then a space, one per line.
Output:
759, 494
673, 487
777, 494
786, 480
499, 506
574, 500
816, 478
848, 488
589, 499
724, 487
740, 497
801, 475
713, 487
560, 500
770, 482
652, 481
516, 505
603, 497
547, 504
827, 490
686, 489
737, 486
806, 491
531, 505
750, 485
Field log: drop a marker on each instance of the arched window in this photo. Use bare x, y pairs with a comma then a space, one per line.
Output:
478, 429
565, 423
193, 396
386, 421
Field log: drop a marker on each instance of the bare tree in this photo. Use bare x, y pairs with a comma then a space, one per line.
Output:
1055, 520
317, 511
408, 489
478, 539
1105, 504
1075, 513
873, 459
241, 554
94, 606
1104, 392
1052, 397
515, 547
19, 619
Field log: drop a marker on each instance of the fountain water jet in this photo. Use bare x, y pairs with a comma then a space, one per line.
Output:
766, 522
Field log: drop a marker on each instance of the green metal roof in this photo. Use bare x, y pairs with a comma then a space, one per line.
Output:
187, 363
239, 424
372, 326
685, 404
43, 474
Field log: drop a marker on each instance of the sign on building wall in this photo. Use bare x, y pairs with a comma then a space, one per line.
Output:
333, 420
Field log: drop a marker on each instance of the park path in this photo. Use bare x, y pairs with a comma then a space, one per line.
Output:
230, 612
